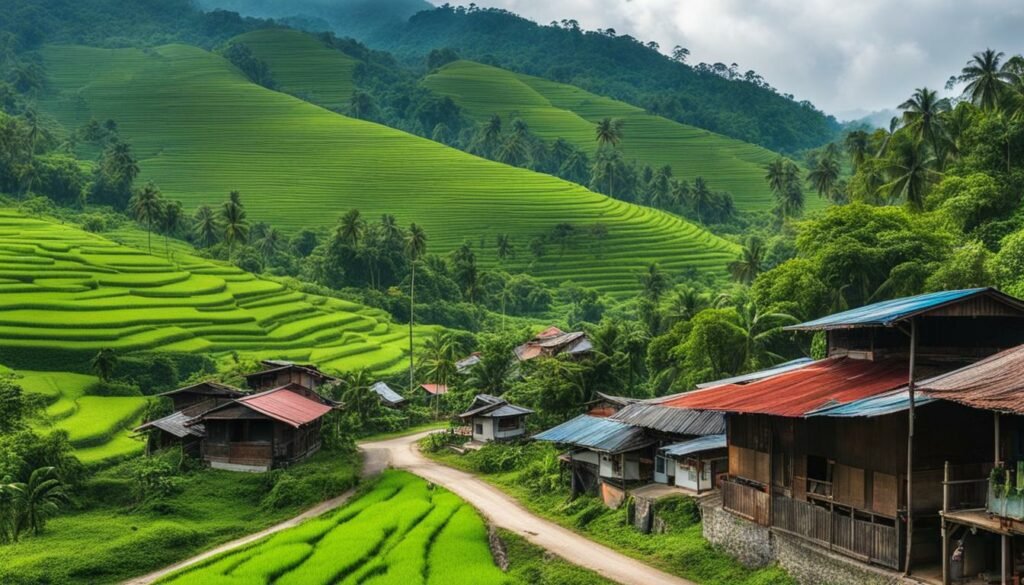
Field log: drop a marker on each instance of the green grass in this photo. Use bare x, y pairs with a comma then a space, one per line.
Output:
402, 532
682, 550
180, 303
430, 426
111, 538
555, 110
303, 66
201, 130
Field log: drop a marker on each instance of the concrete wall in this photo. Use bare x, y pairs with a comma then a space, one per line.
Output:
486, 427
808, 564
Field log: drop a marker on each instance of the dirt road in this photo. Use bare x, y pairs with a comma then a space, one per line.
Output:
504, 512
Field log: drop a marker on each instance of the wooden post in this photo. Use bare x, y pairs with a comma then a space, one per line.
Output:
1002, 559
910, 446
995, 457
699, 470
945, 536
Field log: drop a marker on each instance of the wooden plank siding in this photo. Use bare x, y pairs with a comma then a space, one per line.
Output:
746, 501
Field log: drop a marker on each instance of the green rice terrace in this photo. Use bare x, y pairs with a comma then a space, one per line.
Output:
402, 532
201, 129
302, 66
556, 110
65, 294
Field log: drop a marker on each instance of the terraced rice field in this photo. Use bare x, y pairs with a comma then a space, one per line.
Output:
202, 130
97, 426
66, 293
403, 532
303, 66
556, 110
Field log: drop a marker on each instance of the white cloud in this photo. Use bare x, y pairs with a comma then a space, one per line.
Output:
840, 54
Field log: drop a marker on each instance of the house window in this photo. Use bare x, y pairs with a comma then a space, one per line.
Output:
479, 429
659, 464
691, 473
616, 465
508, 424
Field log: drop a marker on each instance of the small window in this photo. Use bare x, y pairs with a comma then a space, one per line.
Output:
616, 465
508, 424
479, 429
659, 464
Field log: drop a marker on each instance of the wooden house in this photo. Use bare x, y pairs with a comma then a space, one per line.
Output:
606, 404
493, 419
264, 430
278, 373
843, 452
555, 342
188, 403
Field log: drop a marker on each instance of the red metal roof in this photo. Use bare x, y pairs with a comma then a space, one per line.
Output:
795, 393
435, 388
994, 383
286, 406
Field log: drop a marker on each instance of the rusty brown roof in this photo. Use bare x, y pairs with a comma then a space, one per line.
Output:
994, 383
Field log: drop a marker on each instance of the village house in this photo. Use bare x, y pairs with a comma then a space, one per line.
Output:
278, 373
555, 342
466, 364
606, 404
493, 419
387, 396
188, 403
844, 454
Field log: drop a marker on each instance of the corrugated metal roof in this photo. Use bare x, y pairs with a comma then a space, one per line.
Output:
488, 406
209, 387
882, 404
286, 406
708, 443
796, 393
761, 374
666, 419
468, 362
387, 394
435, 388
598, 434
887, 313
507, 410
994, 383
175, 424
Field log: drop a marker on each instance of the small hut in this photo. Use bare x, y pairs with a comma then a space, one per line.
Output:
278, 373
388, 397
189, 402
494, 419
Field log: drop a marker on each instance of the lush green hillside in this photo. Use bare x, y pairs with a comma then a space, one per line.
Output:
555, 110
66, 293
303, 66
202, 130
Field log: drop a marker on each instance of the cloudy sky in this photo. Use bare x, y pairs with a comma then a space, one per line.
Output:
843, 55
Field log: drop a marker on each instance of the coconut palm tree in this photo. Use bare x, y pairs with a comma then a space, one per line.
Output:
987, 80
921, 116
351, 228
270, 244
504, 247
700, 198
103, 363
205, 227
654, 282
122, 164
170, 223
37, 499
438, 361
415, 248
824, 175
910, 171
750, 263
233, 222
146, 206
390, 229
775, 174
856, 144
758, 329
609, 132
894, 124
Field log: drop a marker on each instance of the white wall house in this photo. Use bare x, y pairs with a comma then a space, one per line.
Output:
493, 419
692, 464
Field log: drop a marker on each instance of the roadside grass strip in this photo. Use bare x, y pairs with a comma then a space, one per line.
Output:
401, 532
200, 128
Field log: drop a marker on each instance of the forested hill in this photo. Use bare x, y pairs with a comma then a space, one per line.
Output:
615, 66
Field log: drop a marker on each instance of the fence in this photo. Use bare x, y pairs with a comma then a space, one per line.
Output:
841, 531
746, 501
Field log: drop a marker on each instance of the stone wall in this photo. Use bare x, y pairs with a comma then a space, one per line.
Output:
757, 546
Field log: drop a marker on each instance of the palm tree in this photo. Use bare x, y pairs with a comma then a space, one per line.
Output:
910, 173
824, 176
8, 513
123, 166
233, 222
894, 124
360, 105
609, 132
103, 363
700, 198
439, 359
488, 138
856, 144
784, 180
758, 329
269, 244
987, 80
146, 206
37, 499
358, 399
389, 227
685, 304
351, 228
750, 263
504, 248
170, 222
205, 227
921, 116
415, 247
654, 282
776, 175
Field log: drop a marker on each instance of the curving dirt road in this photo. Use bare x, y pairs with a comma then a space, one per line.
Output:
502, 511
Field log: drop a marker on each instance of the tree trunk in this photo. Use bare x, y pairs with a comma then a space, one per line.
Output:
412, 309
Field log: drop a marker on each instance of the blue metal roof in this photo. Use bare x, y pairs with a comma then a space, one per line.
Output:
879, 405
886, 313
596, 433
385, 392
760, 374
706, 443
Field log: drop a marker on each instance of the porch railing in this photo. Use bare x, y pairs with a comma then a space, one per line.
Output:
838, 530
746, 501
